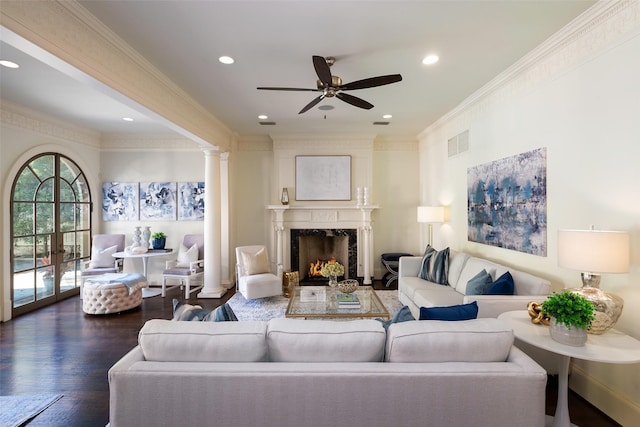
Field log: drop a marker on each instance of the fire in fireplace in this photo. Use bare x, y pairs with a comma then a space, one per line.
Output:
310, 248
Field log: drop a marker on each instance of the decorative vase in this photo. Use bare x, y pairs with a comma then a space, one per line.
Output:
146, 235
333, 280
284, 199
137, 237
159, 242
561, 333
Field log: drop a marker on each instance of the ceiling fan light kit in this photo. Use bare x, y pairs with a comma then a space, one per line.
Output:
330, 85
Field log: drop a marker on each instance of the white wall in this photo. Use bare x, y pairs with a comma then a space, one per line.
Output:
581, 101
179, 161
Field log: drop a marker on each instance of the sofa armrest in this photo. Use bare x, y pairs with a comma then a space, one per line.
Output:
409, 266
494, 305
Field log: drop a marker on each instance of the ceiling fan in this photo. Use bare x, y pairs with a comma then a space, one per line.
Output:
332, 85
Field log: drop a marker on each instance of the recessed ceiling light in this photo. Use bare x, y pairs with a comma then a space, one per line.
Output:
8, 64
127, 119
263, 117
226, 60
387, 116
430, 59
326, 107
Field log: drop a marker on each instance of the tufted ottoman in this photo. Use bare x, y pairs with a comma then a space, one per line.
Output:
108, 294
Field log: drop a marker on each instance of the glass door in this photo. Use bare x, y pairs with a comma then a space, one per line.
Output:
50, 231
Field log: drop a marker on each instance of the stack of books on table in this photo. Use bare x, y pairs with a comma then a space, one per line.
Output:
348, 301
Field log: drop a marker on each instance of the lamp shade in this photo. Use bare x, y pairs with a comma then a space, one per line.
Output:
430, 213
594, 251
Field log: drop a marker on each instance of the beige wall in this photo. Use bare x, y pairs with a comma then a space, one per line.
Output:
581, 101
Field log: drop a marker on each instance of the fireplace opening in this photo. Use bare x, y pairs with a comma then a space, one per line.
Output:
311, 248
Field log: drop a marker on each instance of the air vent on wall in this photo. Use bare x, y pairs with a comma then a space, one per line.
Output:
458, 144
380, 123
268, 123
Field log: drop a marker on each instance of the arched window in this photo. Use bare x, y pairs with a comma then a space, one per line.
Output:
50, 231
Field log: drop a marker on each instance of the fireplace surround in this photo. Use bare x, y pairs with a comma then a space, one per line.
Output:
350, 221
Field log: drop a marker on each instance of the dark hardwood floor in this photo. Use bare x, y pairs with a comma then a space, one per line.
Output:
59, 349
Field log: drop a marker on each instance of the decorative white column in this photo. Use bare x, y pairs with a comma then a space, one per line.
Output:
278, 229
366, 246
225, 259
212, 285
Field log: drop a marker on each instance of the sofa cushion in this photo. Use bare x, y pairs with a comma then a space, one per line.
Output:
432, 341
435, 265
472, 267
168, 341
434, 295
457, 261
256, 263
453, 312
479, 284
297, 340
525, 283
503, 285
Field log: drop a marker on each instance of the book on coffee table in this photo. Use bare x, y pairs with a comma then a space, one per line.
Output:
348, 300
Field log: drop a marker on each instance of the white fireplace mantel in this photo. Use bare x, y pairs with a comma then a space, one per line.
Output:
359, 217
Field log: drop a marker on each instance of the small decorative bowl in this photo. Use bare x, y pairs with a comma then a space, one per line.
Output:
348, 286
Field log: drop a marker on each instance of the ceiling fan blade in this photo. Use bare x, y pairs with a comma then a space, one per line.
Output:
372, 82
288, 88
354, 100
322, 70
311, 104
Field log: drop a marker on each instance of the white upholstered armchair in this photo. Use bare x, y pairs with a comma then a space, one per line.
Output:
256, 277
188, 267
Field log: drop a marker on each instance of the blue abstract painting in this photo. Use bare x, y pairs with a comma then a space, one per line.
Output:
120, 201
507, 203
158, 201
191, 201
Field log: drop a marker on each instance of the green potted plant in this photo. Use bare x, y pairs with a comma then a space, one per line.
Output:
159, 239
571, 316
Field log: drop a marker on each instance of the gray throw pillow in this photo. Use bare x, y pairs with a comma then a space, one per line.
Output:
479, 284
188, 312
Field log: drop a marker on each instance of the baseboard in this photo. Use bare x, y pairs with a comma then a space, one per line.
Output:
615, 405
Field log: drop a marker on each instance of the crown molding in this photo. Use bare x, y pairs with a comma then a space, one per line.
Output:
604, 24
20, 117
68, 31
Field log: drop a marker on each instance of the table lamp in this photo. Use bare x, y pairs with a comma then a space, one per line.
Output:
430, 215
593, 252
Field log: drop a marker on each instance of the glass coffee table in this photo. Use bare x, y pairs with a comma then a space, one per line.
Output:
315, 305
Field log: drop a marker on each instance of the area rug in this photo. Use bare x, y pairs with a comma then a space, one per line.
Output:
272, 307
150, 292
17, 410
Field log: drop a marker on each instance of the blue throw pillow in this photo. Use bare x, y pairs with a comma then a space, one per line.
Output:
435, 266
188, 312
402, 315
479, 284
502, 286
454, 312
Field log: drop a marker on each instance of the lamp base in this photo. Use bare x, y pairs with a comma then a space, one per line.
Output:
608, 306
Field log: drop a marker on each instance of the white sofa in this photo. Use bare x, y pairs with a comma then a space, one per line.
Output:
291, 372
416, 292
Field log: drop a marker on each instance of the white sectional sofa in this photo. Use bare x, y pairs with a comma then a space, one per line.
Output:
416, 292
291, 372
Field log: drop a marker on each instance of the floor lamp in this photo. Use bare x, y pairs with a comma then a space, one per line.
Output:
430, 215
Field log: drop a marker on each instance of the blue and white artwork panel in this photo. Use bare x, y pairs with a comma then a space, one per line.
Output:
191, 201
158, 201
120, 201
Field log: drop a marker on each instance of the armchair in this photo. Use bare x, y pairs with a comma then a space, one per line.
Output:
103, 246
255, 276
188, 267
